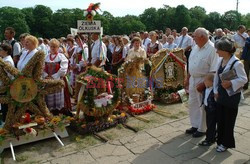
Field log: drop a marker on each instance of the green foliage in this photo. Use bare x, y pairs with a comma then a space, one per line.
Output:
246, 20
182, 17
231, 19
13, 17
213, 21
41, 21
150, 18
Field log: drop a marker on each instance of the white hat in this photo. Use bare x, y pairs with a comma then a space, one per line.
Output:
126, 37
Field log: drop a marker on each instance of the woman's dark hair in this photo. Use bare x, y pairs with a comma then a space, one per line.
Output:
70, 40
6, 48
225, 44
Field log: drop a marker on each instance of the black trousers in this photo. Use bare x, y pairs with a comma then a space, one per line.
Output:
187, 54
247, 67
226, 118
211, 120
4, 110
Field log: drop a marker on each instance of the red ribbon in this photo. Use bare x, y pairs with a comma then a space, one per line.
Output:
177, 60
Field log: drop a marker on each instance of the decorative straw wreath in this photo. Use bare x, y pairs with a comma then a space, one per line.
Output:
98, 83
136, 85
168, 72
24, 92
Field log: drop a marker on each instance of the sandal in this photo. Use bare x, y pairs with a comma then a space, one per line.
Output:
206, 143
221, 148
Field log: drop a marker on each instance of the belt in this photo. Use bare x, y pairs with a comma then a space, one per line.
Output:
197, 76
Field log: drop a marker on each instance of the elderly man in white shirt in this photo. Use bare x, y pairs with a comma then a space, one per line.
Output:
203, 59
240, 36
98, 52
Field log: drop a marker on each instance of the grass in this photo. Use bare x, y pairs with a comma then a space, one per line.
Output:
85, 141
21, 158
119, 126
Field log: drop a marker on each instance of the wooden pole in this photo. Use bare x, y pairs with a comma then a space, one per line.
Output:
89, 48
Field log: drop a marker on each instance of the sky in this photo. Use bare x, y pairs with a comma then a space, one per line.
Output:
133, 7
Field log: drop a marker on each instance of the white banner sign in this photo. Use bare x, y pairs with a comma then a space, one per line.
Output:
85, 26
73, 31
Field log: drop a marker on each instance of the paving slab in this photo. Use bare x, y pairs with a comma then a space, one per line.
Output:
154, 156
228, 157
84, 158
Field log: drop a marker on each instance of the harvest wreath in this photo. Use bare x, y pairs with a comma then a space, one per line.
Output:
24, 92
137, 93
99, 93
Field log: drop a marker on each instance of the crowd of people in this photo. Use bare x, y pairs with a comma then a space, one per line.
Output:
213, 100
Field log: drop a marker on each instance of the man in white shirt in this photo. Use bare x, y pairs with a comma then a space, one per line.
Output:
16, 47
145, 41
240, 37
174, 33
98, 51
185, 42
203, 60
41, 46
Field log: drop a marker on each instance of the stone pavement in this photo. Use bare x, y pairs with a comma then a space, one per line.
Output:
164, 144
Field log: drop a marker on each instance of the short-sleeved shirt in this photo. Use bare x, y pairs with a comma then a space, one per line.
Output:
239, 40
203, 60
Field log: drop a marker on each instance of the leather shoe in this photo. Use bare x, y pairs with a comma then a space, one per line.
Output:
198, 134
191, 130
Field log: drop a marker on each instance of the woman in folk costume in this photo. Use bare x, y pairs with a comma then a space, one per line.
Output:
154, 45
118, 55
71, 47
31, 44
78, 59
56, 66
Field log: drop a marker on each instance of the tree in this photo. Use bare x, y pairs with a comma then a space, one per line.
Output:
29, 18
12, 17
231, 19
182, 17
246, 20
131, 23
43, 23
63, 20
150, 18
198, 15
106, 18
213, 21
166, 17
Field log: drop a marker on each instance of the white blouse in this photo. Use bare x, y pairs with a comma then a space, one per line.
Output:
25, 58
63, 65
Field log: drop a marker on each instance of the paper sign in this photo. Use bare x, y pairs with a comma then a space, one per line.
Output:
85, 26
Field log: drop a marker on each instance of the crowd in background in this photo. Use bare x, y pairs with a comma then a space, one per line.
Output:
208, 55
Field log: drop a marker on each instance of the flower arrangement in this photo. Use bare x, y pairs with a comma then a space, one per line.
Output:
82, 126
101, 92
91, 11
